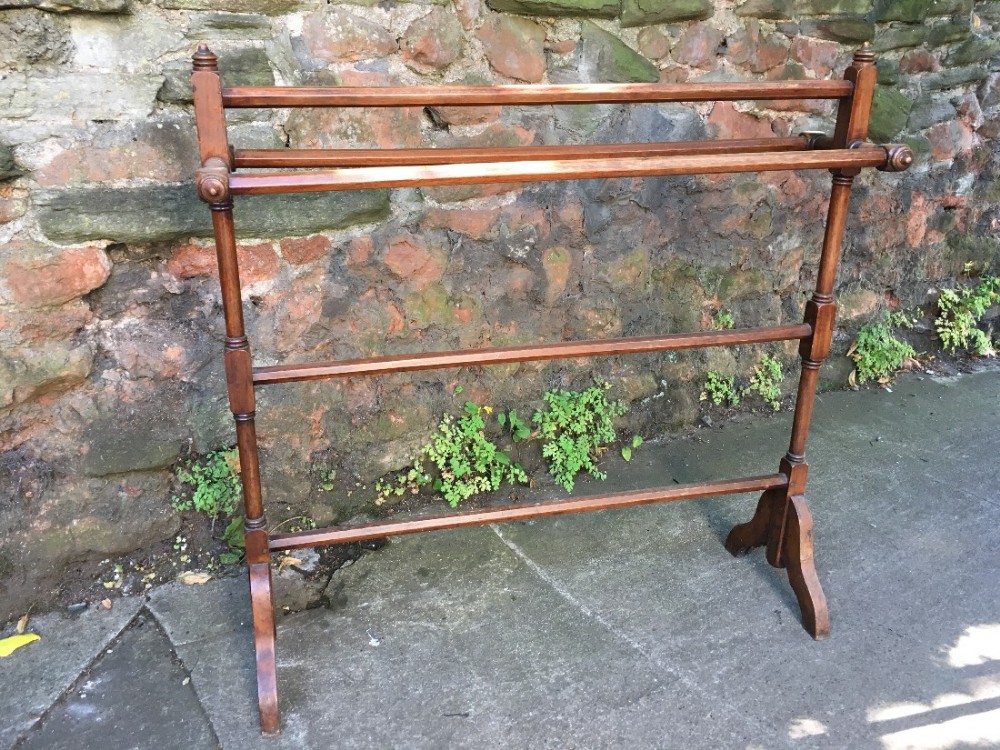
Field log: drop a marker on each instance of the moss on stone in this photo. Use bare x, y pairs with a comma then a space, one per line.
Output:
949, 33
152, 213
8, 168
846, 30
612, 60
680, 295
890, 111
983, 251
888, 72
647, 12
741, 285
429, 307
899, 37
919, 10
953, 77
630, 273
550, 8
975, 50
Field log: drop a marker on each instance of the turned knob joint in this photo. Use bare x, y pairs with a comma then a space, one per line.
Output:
212, 180
898, 158
816, 139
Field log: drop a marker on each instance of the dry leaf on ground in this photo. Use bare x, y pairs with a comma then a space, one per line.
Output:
194, 577
286, 561
13, 643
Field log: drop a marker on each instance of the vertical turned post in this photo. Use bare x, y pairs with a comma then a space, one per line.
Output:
782, 520
213, 188
852, 126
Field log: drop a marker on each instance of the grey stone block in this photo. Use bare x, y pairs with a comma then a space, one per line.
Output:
155, 213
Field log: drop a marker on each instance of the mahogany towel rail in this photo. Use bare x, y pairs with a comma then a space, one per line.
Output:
781, 522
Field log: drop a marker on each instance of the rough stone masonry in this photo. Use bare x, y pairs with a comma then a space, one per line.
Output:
109, 313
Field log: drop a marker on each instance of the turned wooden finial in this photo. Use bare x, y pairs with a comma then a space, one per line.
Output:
864, 55
898, 158
205, 59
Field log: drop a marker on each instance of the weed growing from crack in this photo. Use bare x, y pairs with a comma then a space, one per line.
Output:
766, 381
959, 312
576, 427
216, 484
720, 389
467, 461
876, 351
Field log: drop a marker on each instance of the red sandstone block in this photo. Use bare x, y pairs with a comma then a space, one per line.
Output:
301, 250
57, 277
515, 47
475, 223
409, 258
257, 262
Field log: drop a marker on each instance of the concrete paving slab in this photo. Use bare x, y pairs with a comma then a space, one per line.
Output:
451, 642
635, 628
36, 675
908, 564
136, 696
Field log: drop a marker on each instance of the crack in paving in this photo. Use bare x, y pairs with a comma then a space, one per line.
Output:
685, 678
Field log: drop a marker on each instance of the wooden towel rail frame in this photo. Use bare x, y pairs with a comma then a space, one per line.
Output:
782, 522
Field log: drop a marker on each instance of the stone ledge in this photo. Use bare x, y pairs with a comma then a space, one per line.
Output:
157, 213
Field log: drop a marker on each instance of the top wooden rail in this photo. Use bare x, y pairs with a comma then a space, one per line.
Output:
580, 93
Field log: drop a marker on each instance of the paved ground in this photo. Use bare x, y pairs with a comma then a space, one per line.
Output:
618, 629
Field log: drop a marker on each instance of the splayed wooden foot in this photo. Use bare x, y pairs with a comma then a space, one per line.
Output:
784, 525
798, 557
263, 636
745, 536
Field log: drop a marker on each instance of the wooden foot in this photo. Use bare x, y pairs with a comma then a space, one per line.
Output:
784, 525
263, 636
798, 557
753, 533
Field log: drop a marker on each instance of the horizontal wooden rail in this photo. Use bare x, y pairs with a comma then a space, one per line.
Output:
378, 529
361, 178
403, 157
580, 93
531, 353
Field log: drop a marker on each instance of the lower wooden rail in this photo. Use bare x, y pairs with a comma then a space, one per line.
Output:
509, 354
506, 513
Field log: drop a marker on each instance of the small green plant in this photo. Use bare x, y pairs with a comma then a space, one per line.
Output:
905, 318
723, 321
408, 481
720, 389
876, 352
216, 485
766, 381
518, 429
233, 537
326, 480
627, 449
299, 523
959, 313
576, 427
467, 461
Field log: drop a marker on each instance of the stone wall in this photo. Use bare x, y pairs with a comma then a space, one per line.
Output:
109, 313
